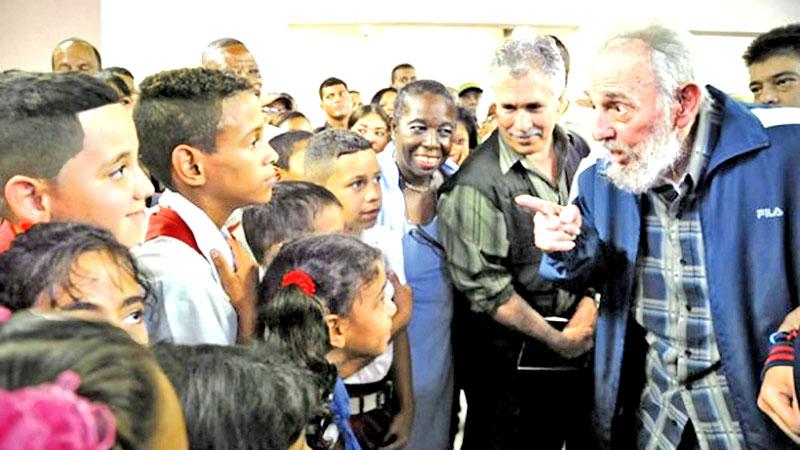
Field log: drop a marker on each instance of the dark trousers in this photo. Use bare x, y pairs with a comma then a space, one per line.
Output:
509, 409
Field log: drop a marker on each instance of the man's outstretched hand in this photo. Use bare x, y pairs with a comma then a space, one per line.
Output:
555, 227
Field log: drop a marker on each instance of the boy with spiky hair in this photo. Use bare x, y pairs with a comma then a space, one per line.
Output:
201, 136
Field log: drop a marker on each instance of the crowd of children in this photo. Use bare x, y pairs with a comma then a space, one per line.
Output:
315, 354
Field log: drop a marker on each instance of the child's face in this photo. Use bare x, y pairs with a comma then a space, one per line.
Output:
368, 327
103, 184
356, 183
374, 129
102, 290
241, 171
460, 148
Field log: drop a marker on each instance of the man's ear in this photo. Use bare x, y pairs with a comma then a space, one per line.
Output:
563, 104
336, 330
187, 165
689, 96
28, 200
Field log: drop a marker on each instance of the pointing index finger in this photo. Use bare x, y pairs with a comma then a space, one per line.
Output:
535, 204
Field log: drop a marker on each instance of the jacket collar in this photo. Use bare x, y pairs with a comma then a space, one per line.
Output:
741, 131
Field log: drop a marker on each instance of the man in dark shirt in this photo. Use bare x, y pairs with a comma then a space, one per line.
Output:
494, 265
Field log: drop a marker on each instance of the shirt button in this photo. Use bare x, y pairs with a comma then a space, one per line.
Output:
688, 353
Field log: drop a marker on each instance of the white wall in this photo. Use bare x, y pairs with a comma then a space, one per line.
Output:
299, 43
29, 29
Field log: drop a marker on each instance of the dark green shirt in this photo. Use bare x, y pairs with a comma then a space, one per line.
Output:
475, 236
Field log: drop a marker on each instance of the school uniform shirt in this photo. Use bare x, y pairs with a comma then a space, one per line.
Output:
390, 243
188, 304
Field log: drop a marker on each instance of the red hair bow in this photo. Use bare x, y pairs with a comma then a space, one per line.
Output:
300, 279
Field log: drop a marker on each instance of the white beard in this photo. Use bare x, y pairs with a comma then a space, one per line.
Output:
648, 161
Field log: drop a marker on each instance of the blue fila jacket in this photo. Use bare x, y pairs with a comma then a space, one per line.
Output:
749, 209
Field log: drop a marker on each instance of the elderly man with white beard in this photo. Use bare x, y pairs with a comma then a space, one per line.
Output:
689, 230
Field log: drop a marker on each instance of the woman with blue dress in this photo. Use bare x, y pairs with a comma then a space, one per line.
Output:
413, 168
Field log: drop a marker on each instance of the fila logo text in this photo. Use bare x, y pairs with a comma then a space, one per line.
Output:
769, 213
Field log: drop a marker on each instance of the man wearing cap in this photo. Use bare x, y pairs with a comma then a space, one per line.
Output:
274, 104
469, 95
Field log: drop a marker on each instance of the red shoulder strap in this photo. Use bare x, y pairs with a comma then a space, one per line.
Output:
166, 222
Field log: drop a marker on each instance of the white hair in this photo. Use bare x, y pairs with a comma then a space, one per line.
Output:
516, 57
671, 59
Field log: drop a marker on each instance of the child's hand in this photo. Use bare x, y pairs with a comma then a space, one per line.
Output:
403, 301
399, 430
239, 284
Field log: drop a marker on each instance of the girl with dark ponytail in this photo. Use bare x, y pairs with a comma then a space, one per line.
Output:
322, 298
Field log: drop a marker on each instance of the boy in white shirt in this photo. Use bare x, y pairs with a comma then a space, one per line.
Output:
201, 135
